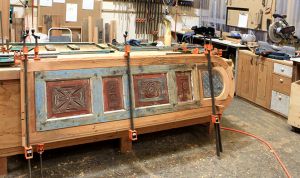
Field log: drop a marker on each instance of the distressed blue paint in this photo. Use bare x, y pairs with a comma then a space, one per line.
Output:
98, 115
80, 73
40, 100
96, 99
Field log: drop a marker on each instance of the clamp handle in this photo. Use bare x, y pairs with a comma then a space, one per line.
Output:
35, 36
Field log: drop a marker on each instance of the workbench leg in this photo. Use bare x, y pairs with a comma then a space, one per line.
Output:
125, 145
210, 130
236, 65
3, 166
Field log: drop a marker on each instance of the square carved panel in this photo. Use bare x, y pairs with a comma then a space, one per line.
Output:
184, 86
150, 89
68, 98
113, 93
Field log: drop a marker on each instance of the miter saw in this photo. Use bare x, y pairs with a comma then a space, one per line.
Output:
280, 32
283, 35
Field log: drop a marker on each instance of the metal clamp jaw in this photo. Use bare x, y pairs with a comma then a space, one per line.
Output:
216, 119
28, 151
127, 50
40, 148
126, 45
207, 48
133, 136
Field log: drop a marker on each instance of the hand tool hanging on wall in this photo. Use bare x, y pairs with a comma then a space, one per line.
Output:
132, 131
148, 18
27, 147
216, 118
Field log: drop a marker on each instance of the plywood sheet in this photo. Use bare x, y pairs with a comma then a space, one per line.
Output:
254, 6
59, 9
4, 8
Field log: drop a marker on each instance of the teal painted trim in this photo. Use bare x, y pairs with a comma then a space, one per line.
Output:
98, 115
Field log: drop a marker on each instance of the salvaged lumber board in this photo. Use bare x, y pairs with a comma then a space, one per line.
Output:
81, 100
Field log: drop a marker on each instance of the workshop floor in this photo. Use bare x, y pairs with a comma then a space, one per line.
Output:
185, 152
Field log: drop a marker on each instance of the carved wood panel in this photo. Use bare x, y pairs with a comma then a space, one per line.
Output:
184, 86
68, 98
113, 93
150, 89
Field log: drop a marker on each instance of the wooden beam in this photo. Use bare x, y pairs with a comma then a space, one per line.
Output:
4, 8
119, 61
125, 144
90, 28
3, 166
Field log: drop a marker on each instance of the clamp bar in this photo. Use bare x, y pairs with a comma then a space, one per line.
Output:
28, 147
132, 131
215, 118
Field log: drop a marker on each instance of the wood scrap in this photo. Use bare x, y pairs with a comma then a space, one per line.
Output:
85, 31
47, 23
19, 28
50, 48
107, 33
56, 22
99, 24
113, 30
90, 29
73, 47
95, 37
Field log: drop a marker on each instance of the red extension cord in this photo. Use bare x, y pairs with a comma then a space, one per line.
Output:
267, 144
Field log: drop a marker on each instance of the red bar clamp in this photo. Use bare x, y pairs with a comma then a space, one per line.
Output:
28, 152
208, 47
195, 51
133, 135
36, 53
220, 117
215, 119
40, 148
127, 50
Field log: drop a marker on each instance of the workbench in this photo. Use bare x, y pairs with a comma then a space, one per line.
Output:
265, 82
77, 99
231, 49
294, 112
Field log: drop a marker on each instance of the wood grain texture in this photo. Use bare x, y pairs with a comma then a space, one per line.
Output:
294, 111
10, 111
4, 8
119, 61
59, 9
263, 83
3, 166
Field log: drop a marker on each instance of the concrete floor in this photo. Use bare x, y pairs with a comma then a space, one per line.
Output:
184, 152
